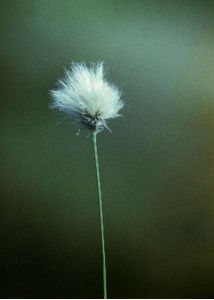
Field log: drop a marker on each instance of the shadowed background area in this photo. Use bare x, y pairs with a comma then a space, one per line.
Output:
156, 166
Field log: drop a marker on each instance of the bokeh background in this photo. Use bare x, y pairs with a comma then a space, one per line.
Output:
157, 165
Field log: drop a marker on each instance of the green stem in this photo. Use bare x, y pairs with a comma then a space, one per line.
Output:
94, 137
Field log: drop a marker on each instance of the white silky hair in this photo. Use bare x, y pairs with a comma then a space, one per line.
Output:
86, 95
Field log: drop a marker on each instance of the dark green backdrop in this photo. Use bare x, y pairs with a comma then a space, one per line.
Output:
156, 167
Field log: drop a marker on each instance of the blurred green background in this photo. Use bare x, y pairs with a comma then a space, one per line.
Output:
156, 167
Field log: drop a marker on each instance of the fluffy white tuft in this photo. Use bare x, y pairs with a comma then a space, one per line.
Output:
87, 96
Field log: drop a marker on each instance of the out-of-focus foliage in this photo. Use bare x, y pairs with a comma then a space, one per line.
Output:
157, 166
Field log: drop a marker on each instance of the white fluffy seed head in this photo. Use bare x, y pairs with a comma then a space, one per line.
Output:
86, 95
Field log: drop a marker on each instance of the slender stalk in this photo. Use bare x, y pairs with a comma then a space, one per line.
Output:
94, 137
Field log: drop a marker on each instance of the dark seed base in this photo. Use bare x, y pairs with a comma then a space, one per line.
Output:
89, 121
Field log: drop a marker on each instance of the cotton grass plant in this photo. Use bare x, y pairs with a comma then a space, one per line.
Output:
86, 96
